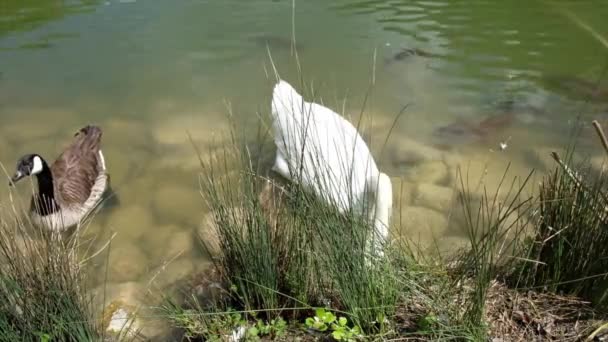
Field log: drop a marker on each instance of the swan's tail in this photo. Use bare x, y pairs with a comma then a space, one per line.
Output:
285, 99
383, 209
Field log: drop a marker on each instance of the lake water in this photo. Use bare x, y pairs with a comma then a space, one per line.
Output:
472, 74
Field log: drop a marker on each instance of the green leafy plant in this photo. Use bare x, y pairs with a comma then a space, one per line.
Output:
275, 328
326, 320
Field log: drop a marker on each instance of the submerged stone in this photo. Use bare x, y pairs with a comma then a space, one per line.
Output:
131, 222
119, 319
432, 172
436, 197
205, 130
406, 151
180, 244
209, 231
176, 203
422, 225
126, 262
403, 192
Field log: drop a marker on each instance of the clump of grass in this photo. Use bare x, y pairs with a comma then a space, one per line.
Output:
42, 297
495, 225
571, 236
285, 251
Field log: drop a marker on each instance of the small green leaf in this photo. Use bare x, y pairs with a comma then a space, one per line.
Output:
338, 335
329, 317
320, 312
309, 322
343, 321
253, 331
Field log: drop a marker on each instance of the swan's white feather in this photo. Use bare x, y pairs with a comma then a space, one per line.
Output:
323, 151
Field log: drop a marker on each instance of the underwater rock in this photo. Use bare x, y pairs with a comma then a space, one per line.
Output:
127, 133
406, 152
449, 245
123, 310
599, 164
205, 130
140, 189
433, 196
429, 172
176, 203
422, 225
119, 165
402, 192
271, 201
184, 158
126, 261
131, 222
181, 244
155, 244
208, 231
174, 272
120, 319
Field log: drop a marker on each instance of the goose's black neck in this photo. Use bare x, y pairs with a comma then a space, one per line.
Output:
45, 200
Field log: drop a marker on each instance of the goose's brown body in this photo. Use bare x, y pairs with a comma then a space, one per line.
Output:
78, 178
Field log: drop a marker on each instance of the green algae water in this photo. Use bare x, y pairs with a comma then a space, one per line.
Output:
484, 84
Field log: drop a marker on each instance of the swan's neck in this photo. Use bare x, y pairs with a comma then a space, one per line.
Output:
45, 199
383, 207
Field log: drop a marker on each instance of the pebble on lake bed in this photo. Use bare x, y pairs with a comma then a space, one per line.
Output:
131, 222
599, 163
403, 191
124, 307
119, 319
433, 172
205, 130
120, 131
408, 151
208, 230
421, 225
436, 197
178, 204
126, 262
180, 244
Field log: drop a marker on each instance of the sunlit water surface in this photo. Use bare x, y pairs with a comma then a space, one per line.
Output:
147, 71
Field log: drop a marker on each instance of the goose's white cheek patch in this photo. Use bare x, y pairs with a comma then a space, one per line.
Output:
37, 166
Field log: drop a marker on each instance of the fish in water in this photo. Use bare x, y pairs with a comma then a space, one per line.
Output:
275, 42
409, 52
577, 88
464, 132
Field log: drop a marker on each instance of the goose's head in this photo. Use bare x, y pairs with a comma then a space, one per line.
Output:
28, 165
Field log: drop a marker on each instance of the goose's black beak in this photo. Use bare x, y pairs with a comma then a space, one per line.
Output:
18, 175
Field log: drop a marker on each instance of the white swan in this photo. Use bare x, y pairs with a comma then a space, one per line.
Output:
323, 151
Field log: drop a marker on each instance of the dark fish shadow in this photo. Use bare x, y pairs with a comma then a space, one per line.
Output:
407, 53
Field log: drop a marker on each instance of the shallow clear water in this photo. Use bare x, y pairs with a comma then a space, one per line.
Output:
147, 71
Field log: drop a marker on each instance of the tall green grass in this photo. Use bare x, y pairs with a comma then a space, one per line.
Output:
495, 224
42, 293
569, 244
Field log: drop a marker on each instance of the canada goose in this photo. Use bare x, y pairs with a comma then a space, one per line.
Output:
323, 151
72, 186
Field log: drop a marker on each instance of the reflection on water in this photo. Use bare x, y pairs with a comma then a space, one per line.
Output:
485, 83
